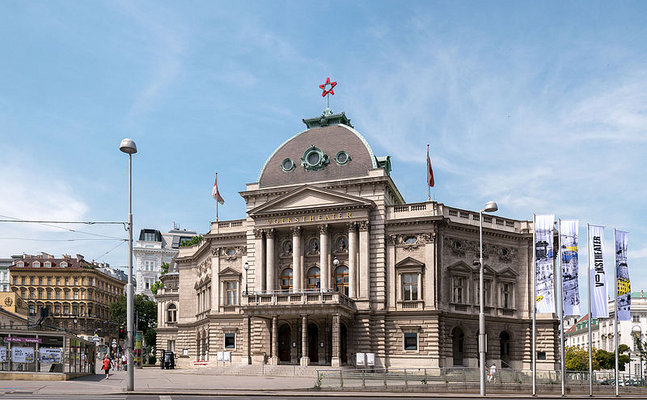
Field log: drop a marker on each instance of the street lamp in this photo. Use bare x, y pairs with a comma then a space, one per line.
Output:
246, 266
335, 262
128, 146
490, 206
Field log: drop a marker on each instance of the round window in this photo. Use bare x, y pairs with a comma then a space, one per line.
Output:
342, 243
342, 158
287, 246
314, 159
287, 165
231, 252
411, 240
314, 245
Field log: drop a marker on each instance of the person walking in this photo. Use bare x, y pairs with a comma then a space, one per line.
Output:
492, 376
106, 365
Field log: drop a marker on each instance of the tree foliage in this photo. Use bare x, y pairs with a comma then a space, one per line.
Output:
577, 359
145, 316
192, 242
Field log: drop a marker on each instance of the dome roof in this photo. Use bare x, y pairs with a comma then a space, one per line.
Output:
318, 154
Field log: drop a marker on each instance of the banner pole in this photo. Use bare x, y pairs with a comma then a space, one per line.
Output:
534, 306
588, 244
615, 319
561, 310
217, 199
428, 185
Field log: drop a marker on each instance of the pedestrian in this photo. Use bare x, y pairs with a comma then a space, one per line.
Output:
124, 361
106, 366
492, 376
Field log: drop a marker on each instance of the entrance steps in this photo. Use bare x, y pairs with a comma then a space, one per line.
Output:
264, 370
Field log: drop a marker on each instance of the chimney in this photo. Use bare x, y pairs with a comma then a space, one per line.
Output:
66, 257
79, 257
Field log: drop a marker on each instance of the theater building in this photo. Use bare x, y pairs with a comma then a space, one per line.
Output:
331, 261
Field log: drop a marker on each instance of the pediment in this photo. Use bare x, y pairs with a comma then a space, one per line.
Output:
409, 262
309, 198
229, 272
460, 266
508, 273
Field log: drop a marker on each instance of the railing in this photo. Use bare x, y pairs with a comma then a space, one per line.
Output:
304, 297
405, 377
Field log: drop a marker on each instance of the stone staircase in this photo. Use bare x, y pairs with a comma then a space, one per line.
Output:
261, 370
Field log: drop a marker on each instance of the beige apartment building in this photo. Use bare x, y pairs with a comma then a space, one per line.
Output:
331, 266
77, 294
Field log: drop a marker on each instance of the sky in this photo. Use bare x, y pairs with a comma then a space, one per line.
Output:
539, 106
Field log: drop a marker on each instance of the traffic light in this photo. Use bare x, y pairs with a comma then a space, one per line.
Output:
122, 333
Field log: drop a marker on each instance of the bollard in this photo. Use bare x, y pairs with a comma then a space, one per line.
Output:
363, 379
341, 379
425, 376
406, 383
384, 377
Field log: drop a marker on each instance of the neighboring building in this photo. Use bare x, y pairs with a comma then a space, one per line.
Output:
14, 311
602, 331
152, 249
77, 294
167, 310
331, 262
5, 283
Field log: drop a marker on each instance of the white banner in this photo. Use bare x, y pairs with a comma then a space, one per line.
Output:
545, 294
622, 277
568, 240
22, 354
598, 285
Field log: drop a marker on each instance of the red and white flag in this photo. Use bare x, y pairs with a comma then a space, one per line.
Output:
430, 172
215, 194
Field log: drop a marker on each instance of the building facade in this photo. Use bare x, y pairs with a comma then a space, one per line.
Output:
151, 250
330, 264
5, 282
76, 293
603, 333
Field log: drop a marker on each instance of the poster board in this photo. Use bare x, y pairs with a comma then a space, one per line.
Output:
227, 357
360, 360
22, 354
51, 355
221, 356
370, 359
3, 354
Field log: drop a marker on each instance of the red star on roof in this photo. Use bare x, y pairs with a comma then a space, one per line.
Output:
329, 91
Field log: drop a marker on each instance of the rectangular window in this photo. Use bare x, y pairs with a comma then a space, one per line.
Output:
170, 345
232, 293
76, 295
15, 280
58, 294
411, 341
49, 280
23, 280
66, 309
506, 295
410, 286
459, 290
230, 340
40, 280
58, 281
635, 318
67, 295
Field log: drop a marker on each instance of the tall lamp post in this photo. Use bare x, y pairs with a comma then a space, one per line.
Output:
128, 146
490, 206
246, 266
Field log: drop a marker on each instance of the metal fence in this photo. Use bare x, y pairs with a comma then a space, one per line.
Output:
367, 378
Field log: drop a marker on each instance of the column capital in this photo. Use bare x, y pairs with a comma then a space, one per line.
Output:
392, 240
363, 225
323, 229
270, 233
352, 226
296, 231
259, 233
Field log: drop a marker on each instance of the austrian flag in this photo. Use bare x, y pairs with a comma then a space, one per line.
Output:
215, 194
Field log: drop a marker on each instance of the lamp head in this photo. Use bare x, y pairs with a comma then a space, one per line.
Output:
335, 262
490, 206
128, 146
246, 265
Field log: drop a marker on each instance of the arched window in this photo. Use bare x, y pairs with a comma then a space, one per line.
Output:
341, 279
314, 279
172, 313
286, 280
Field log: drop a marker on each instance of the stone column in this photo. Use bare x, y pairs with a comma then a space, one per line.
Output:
296, 258
305, 360
324, 253
259, 262
274, 360
271, 268
391, 279
215, 281
352, 260
335, 360
247, 358
364, 262
429, 294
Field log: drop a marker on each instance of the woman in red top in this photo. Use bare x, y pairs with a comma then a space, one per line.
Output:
106, 366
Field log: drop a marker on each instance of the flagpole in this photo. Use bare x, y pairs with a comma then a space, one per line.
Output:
561, 310
534, 306
428, 185
615, 317
216, 199
588, 245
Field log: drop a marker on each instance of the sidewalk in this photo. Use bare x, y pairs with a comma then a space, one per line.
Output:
155, 381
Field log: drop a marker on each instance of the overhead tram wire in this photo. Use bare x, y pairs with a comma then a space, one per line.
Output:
49, 224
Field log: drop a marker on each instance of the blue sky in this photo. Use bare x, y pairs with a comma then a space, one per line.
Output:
540, 106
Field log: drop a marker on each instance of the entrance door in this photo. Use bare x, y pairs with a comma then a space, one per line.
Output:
343, 344
285, 336
313, 343
458, 342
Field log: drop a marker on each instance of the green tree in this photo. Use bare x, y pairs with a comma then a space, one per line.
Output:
145, 316
195, 240
577, 359
158, 284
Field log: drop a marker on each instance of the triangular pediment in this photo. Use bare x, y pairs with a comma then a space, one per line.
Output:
309, 198
508, 273
409, 262
229, 272
460, 266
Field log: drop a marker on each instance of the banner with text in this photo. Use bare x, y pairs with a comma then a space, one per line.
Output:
622, 277
598, 285
545, 296
568, 240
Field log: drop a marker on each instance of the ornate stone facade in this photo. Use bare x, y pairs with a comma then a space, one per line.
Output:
331, 263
